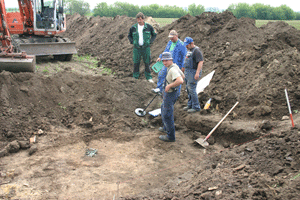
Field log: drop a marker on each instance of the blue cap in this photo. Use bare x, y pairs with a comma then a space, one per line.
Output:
166, 56
188, 40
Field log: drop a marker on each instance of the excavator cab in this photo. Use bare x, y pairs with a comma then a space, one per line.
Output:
49, 15
49, 20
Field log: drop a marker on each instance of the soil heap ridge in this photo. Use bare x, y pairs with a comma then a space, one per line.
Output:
252, 65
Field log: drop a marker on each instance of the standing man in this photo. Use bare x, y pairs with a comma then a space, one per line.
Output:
193, 69
171, 92
141, 35
176, 47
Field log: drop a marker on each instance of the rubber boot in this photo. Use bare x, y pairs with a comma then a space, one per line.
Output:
136, 70
147, 71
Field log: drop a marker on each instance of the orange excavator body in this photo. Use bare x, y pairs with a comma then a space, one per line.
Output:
33, 31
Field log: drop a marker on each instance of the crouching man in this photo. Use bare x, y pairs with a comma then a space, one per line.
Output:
171, 93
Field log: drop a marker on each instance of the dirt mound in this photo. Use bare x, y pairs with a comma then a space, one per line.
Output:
253, 65
151, 21
258, 170
30, 102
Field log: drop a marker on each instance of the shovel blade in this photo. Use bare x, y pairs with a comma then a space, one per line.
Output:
202, 142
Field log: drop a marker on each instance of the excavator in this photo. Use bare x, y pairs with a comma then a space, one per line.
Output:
33, 32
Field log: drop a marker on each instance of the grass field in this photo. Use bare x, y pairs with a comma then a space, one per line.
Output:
295, 23
164, 21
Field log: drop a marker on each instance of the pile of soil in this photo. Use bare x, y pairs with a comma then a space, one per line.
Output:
74, 103
252, 65
267, 168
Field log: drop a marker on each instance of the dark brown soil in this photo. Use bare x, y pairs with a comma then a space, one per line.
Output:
69, 107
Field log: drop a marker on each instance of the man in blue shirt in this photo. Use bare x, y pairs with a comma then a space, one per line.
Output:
178, 51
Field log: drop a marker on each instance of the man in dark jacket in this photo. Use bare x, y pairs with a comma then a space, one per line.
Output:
141, 35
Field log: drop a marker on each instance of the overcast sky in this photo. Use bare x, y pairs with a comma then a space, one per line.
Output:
221, 4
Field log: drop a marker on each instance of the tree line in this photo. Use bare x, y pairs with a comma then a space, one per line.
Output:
256, 11
153, 10
263, 12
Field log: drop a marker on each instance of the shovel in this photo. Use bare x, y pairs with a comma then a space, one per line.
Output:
142, 112
204, 142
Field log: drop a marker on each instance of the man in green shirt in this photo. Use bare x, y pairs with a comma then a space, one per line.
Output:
141, 35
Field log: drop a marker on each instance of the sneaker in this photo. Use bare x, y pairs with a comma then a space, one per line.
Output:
165, 138
161, 129
192, 110
156, 90
151, 80
186, 108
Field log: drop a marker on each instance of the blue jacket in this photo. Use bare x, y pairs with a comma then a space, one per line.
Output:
178, 53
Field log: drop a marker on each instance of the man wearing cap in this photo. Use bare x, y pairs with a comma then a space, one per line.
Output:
171, 92
141, 35
193, 69
176, 47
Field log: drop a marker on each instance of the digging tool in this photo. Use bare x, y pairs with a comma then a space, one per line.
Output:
289, 106
204, 142
142, 112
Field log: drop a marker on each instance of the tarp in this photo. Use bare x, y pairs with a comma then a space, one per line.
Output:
155, 113
204, 82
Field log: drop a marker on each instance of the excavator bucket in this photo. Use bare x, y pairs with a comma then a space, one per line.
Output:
17, 64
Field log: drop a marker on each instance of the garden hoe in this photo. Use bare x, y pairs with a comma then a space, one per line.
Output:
142, 112
204, 142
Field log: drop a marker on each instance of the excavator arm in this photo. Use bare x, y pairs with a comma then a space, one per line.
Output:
4, 33
26, 14
10, 61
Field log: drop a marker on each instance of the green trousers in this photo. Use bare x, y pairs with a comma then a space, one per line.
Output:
138, 54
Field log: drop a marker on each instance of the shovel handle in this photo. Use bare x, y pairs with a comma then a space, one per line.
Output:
220, 121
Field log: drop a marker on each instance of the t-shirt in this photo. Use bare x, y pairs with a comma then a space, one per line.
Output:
173, 45
141, 38
173, 73
197, 57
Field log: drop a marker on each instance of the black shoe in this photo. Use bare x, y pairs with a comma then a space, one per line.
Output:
165, 138
186, 108
192, 110
161, 129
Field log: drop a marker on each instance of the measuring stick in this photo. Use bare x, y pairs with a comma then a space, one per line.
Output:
289, 106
